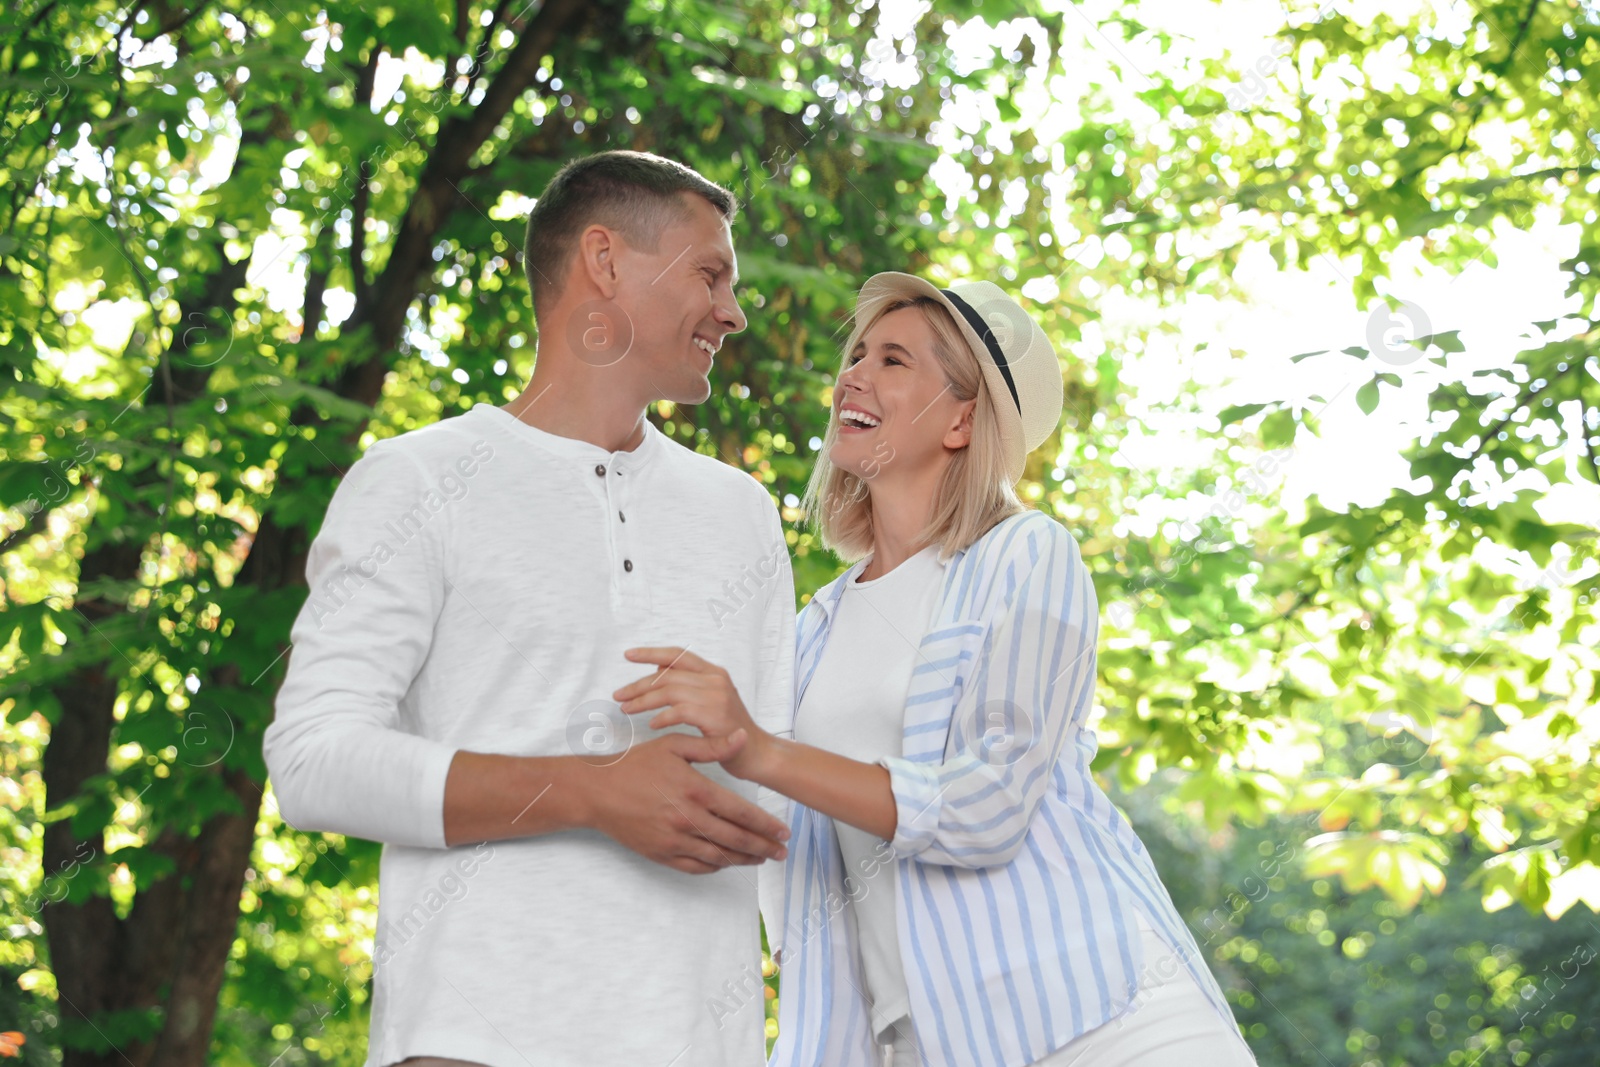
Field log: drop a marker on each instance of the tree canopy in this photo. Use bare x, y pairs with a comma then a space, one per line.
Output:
241, 242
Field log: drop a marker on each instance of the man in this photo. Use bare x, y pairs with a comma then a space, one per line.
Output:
558, 885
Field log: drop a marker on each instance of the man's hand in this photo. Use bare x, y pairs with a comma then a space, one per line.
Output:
656, 804
698, 693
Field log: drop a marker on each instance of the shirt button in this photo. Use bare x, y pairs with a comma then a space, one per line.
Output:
627, 564
600, 469
622, 517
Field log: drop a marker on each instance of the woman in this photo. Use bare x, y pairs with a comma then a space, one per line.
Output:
958, 890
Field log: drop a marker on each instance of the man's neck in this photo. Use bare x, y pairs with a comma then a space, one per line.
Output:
568, 406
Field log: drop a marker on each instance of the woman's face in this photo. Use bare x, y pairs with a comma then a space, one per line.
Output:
896, 414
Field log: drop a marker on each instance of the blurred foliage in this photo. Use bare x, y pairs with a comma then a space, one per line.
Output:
174, 425
1318, 975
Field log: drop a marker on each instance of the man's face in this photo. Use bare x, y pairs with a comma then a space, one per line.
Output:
681, 303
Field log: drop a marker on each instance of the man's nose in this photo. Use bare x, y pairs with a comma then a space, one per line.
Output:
731, 315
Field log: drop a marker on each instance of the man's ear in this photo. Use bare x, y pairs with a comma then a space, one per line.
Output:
597, 259
959, 435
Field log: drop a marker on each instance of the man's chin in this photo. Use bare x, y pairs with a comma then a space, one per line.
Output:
683, 390
695, 391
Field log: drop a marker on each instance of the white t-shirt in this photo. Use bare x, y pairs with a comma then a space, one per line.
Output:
473, 587
855, 706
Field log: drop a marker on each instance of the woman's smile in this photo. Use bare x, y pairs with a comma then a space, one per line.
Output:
856, 419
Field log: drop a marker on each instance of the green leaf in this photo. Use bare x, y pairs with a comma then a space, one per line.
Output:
1319, 521
1583, 844
1278, 428
1403, 865
1238, 412
1367, 396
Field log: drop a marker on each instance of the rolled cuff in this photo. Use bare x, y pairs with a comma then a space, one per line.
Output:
918, 801
360, 780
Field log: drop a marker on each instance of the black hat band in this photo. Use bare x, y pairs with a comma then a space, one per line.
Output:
981, 328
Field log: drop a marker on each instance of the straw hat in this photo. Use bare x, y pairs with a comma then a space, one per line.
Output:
1019, 363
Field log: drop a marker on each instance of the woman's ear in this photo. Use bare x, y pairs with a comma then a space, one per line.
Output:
959, 435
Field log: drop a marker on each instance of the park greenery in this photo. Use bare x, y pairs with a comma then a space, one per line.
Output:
239, 242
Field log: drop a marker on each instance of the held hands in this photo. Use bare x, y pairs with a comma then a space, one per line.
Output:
656, 803
700, 694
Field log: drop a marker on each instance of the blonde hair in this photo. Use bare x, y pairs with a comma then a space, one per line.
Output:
975, 492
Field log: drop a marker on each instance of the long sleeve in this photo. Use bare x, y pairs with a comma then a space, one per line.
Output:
774, 712
1033, 687
339, 757
773, 709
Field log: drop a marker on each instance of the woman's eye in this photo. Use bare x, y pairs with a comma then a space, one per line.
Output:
891, 359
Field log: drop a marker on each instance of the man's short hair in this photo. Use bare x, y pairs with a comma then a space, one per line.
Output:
635, 193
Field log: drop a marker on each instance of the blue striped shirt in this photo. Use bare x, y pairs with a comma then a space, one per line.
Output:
1018, 881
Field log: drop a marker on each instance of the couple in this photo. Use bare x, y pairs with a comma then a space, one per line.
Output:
550, 660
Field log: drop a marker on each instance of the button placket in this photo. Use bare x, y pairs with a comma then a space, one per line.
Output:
600, 471
627, 561
621, 564
629, 580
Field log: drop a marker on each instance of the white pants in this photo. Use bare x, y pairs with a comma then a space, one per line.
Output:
1170, 1022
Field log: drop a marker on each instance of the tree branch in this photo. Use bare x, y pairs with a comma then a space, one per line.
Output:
317, 271
172, 21
458, 141
481, 54
1590, 448
30, 526
1523, 400
365, 85
1482, 101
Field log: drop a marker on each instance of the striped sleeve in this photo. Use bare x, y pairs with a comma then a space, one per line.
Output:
1032, 687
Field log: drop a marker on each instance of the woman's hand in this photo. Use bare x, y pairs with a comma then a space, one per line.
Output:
698, 693
702, 695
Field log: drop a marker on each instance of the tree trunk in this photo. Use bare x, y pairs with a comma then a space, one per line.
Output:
168, 956
82, 937
103, 964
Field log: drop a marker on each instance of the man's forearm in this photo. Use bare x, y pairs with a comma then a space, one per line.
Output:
489, 797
